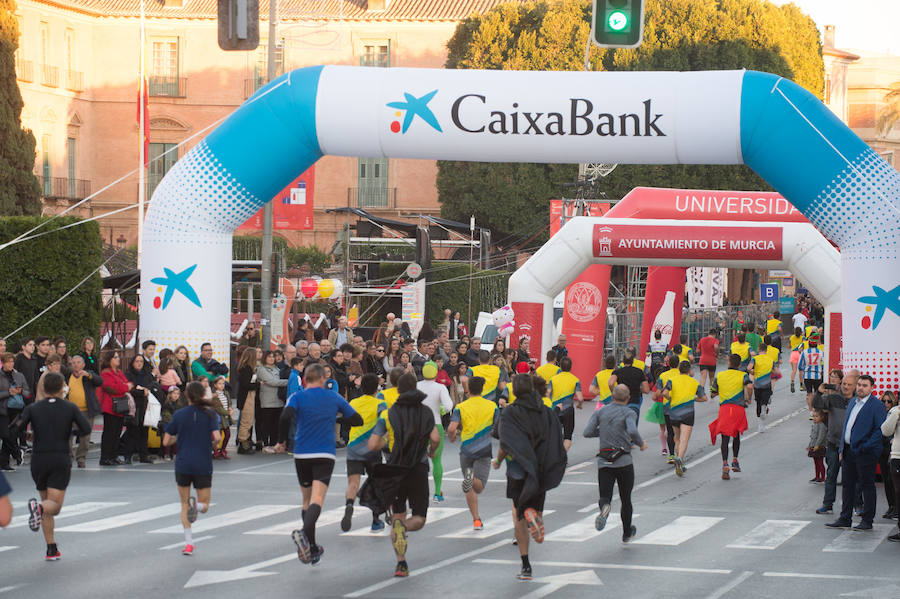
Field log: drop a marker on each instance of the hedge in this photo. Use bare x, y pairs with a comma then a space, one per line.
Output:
35, 273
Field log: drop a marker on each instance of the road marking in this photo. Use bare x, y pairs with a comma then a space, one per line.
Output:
229, 519
286, 528
584, 529
770, 534
11, 588
492, 526
181, 543
205, 577
76, 509
559, 581
853, 541
435, 514
436, 566
256, 467
721, 592
680, 530
605, 566
8, 548
126, 519
826, 576
888, 591
577, 467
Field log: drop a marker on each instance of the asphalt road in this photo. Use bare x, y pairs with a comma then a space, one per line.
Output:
755, 535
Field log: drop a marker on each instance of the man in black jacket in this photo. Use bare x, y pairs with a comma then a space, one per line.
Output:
835, 404
531, 437
12, 383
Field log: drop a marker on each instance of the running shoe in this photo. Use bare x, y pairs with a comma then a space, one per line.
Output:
524, 573
600, 522
665, 452
477, 524
735, 467
347, 520
438, 498
53, 553
35, 511
377, 526
188, 550
316, 554
468, 475
679, 467
792, 386
630, 534
398, 528
670, 459
192, 509
402, 570
535, 525
304, 552
725, 473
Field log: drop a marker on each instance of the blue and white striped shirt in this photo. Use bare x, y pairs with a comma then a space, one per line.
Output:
812, 364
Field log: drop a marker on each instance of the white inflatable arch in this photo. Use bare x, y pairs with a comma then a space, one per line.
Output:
583, 241
719, 117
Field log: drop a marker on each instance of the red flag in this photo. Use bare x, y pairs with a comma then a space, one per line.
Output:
145, 134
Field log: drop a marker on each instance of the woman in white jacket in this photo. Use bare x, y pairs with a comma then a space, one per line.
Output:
269, 403
890, 428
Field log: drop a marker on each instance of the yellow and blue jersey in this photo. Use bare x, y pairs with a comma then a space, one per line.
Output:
563, 388
388, 396
683, 390
601, 380
476, 417
686, 354
743, 350
368, 407
762, 371
662, 382
772, 326
773, 353
511, 398
492, 376
729, 385
547, 371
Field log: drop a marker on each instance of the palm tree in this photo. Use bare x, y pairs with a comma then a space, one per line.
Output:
890, 114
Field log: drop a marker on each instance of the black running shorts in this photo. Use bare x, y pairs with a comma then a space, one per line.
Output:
811, 385
710, 368
687, 420
763, 395
51, 470
310, 469
360, 467
514, 488
567, 419
198, 481
413, 489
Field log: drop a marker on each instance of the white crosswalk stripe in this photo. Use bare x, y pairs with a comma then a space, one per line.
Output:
125, 519
492, 526
584, 529
771, 534
678, 531
435, 514
8, 548
286, 528
852, 541
70, 511
205, 524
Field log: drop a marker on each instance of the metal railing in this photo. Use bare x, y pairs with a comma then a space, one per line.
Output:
24, 70
75, 81
49, 75
372, 197
63, 187
170, 87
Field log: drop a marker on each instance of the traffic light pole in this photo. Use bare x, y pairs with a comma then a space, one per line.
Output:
265, 311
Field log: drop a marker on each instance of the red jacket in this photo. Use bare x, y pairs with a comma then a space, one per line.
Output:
115, 384
443, 378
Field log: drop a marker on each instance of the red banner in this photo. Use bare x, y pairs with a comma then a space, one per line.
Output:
655, 202
529, 323
835, 341
663, 301
556, 213
667, 241
293, 206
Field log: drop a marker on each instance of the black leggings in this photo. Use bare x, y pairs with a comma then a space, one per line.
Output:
109, 440
670, 436
624, 476
267, 426
735, 445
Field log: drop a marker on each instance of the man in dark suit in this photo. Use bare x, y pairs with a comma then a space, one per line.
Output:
860, 448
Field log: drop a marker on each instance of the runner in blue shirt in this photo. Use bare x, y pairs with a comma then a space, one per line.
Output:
5, 503
195, 429
316, 411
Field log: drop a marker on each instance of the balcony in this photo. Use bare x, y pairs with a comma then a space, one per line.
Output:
167, 87
24, 70
380, 59
49, 75
251, 85
75, 81
372, 197
64, 188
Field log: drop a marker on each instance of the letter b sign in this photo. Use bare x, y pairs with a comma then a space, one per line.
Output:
768, 292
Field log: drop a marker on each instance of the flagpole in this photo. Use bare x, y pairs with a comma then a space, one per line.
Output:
142, 140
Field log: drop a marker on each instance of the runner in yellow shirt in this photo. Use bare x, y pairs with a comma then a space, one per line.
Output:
600, 383
797, 345
742, 348
550, 369
666, 431
359, 459
565, 393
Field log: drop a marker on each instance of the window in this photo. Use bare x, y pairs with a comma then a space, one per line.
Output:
45, 43
70, 50
45, 162
373, 183
70, 164
376, 54
260, 70
161, 160
165, 67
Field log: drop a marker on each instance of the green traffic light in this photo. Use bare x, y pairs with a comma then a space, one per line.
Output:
617, 20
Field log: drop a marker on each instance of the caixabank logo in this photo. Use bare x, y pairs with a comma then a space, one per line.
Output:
475, 113
883, 301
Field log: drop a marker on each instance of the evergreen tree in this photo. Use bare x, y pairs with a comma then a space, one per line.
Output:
682, 35
20, 192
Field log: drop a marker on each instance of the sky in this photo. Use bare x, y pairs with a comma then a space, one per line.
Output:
869, 25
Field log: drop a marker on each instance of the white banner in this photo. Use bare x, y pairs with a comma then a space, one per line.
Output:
413, 305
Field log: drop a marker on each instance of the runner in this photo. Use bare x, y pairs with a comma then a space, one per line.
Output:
631, 373
682, 391
797, 345
550, 369
742, 348
763, 369
316, 410
812, 367
773, 329
600, 383
494, 379
437, 399
414, 438
565, 393
659, 398
709, 352
656, 352
754, 339
473, 420
733, 388
51, 422
359, 459
196, 431
531, 443
774, 353
616, 428
686, 354
389, 394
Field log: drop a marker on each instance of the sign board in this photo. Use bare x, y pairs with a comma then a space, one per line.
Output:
292, 207
786, 305
413, 305
788, 282
668, 241
768, 292
414, 270
779, 274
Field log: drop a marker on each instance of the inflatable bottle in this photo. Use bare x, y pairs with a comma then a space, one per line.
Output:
665, 319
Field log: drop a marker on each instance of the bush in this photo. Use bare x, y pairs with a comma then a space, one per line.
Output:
36, 273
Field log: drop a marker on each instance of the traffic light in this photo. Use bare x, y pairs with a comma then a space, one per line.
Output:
618, 23
238, 24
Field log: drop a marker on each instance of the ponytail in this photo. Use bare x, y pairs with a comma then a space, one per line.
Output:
196, 395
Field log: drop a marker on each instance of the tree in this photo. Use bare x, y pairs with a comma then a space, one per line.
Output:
19, 190
309, 255
685, 35
890, 114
